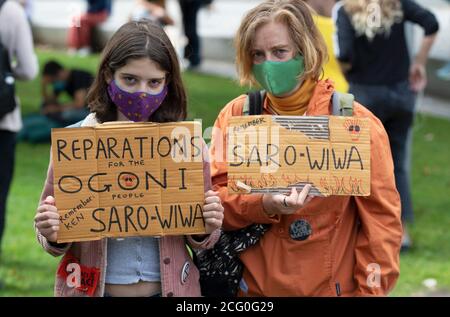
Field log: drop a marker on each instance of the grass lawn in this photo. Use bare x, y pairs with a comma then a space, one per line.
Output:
26, 270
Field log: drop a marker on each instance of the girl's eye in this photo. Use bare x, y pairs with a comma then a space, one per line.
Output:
130, 80
155, 83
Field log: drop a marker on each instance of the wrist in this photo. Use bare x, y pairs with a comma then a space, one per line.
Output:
267, 206
419, 60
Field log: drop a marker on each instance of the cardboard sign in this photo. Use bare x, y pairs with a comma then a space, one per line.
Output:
272, 154
128, 179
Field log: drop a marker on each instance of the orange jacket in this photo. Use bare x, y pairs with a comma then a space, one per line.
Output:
355, 241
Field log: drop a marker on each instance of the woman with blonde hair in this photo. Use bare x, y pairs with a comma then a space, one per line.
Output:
342, 237
371, 47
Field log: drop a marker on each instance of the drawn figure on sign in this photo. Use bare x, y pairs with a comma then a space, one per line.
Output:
354, 127
129, 181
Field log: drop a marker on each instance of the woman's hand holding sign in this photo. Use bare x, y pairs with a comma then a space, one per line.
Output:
47, 219
286, 205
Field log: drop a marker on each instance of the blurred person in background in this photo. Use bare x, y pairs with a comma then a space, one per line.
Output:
17, 42
156, 11
153, 10
54, 113
325, 24
371, 47
80, 33
72, 81
189, 10
28, 6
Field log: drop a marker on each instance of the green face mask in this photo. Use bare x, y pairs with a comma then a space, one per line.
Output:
279, 78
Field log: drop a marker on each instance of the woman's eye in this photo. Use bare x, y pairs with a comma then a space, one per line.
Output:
280, 53
258, 57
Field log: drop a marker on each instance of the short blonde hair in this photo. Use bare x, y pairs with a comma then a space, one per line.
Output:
297, 16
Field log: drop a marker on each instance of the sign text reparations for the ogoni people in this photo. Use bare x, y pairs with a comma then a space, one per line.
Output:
275, 153
128, 179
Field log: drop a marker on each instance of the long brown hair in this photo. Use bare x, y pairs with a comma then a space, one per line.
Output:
305, 35
136, 40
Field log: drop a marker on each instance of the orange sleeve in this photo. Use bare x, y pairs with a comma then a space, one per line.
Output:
379, 238
240, 210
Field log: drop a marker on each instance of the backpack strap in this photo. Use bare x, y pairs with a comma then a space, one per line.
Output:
253, 104
342, 104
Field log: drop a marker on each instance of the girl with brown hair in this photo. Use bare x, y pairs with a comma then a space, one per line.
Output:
138, 80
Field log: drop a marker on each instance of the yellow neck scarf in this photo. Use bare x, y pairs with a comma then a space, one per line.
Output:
296, 104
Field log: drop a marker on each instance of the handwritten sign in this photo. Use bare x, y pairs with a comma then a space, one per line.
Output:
272, 154
128, 179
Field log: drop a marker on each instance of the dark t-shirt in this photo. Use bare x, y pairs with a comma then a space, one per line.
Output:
385, 59
78, 79
95, 6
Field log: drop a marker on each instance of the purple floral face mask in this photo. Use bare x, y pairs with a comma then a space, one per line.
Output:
136, 106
